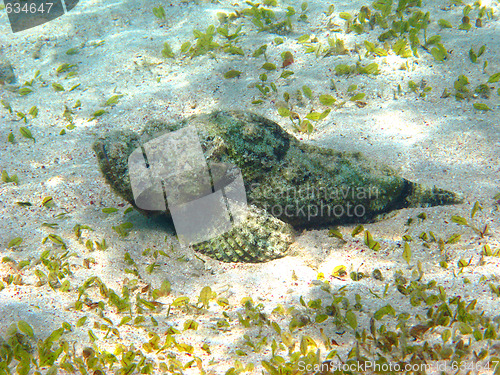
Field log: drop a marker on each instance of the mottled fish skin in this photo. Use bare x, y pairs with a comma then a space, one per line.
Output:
259, 238
288, 182
112, 151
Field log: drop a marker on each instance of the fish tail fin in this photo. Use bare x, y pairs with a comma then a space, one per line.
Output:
424, 196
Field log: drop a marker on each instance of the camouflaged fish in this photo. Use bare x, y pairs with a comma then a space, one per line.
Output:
289, 184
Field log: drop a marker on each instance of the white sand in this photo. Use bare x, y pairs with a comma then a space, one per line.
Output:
431, 140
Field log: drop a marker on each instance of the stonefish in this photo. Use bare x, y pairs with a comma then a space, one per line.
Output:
289, 184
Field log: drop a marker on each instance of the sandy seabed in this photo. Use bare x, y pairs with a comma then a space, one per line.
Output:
432, 140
